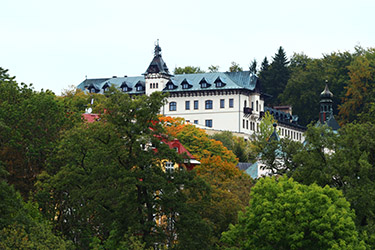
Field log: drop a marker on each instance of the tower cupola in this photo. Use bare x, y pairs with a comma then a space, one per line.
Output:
326, 110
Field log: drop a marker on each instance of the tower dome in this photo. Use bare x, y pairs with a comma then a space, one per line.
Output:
326, 94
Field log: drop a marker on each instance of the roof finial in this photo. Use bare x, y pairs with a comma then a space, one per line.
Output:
157, 50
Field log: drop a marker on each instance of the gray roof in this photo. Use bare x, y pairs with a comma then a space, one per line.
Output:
229, 80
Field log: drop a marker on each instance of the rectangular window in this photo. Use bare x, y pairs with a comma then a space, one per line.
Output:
188, 121
195, 121
195, 104
231, 103
169, 166
222, 103
187, 105
208, 123
208, 104
243, 123
172, 106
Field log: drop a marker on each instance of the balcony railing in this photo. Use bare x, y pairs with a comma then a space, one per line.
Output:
247, 110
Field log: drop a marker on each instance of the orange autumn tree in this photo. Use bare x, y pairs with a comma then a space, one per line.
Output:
230, 186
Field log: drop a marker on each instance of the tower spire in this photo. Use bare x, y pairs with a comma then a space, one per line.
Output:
157, 50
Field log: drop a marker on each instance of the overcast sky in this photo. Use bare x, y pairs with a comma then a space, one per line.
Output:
55, 44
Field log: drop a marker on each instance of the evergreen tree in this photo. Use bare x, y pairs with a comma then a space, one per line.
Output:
253, 66
277, 76
263, 73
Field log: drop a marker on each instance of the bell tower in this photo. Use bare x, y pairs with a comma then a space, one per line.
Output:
157, 74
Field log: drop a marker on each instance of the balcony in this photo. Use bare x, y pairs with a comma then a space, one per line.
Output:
247, 111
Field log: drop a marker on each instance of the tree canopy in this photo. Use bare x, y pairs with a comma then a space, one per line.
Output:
283, 214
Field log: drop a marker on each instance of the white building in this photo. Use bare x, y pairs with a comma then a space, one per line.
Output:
220, 101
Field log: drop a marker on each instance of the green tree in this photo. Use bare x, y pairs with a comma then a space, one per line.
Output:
213, 68
284, 214
236, 144
187, 70
235, 67
22, 225
304, 87
278, 76
106, 180
30, 124
253, 66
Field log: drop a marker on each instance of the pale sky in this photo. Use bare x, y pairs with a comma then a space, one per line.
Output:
55, 44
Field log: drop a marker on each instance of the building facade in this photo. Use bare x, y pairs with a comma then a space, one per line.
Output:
219, 101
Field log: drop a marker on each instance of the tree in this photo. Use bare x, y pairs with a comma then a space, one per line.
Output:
22, 225
253, 66
187, 70
359, 96
236, 144
213, 68
283, 214
304, 87
230, 187
30, 124
307, 80
235, 67
275, 77
106, 180
77, 101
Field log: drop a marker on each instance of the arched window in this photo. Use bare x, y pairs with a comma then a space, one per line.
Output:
172, 106
257, 105
245, 104
208, 104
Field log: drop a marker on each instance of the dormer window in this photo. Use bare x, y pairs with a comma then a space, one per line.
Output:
124, 87
139, 86
105, 87
92, 90
185, 84
204, 83
219, 83
170, 85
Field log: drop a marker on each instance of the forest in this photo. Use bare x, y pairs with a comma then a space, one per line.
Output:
69, 184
